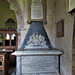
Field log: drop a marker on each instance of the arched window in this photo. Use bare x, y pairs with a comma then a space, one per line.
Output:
10, 24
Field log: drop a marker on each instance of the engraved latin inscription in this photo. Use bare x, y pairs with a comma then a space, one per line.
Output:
38, 64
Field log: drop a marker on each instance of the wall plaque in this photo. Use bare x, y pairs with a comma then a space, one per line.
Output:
60, 28
36, 9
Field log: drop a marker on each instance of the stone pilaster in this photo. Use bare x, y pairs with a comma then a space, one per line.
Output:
73, 51
21, 36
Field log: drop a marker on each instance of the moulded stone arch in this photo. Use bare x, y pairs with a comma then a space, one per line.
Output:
18, 13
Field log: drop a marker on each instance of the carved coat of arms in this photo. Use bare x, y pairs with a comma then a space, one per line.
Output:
36, 41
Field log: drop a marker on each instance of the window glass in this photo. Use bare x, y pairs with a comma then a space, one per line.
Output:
1, 39
7, 40
13, 40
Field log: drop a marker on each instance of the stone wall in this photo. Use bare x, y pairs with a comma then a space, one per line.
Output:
65, 42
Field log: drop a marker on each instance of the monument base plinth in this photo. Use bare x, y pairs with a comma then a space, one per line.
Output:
38, 62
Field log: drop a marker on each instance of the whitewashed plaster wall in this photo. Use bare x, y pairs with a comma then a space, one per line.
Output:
50, 26
71, 4
65, 42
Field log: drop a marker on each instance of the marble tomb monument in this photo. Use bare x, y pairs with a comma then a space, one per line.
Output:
36, 55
